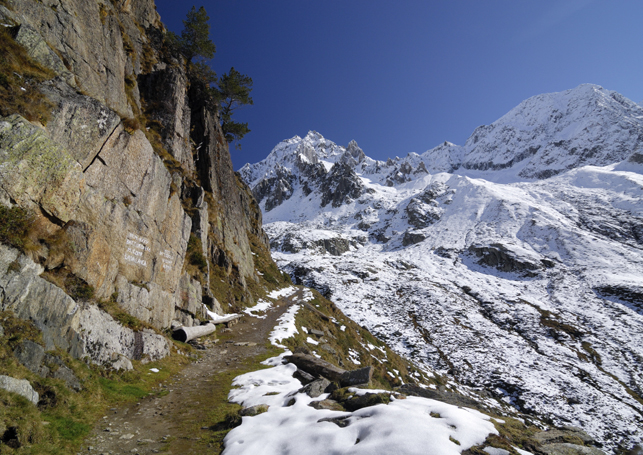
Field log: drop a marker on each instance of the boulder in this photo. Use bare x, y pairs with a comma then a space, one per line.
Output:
505, 260
316, 367
357, 377
422, 214
19, 386
315, 388
446, 397
321, 368
568, 434
412, 237
303, 377
65, 374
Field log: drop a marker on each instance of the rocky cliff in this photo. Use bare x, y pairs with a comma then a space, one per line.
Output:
126, 183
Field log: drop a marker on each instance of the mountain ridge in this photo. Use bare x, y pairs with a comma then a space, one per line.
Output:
515, 271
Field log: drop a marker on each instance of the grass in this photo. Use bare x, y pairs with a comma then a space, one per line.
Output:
214, 410
15, 223
195, 255
19, 79
62, 420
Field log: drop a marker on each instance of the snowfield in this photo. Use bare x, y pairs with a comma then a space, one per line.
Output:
512, 263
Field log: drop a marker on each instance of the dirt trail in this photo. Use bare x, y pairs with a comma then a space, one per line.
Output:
157, 424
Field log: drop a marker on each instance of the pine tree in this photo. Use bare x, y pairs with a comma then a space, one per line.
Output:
232, 91
194, 41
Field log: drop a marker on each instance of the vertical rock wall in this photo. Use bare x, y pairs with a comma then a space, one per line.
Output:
128, 168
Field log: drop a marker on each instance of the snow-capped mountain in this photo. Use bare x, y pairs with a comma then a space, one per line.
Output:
513, 263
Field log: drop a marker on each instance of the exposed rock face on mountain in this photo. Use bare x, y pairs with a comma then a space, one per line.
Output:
512, 262
128, 181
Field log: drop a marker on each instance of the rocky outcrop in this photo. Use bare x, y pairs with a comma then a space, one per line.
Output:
276, 189
19, 386
506, 260
341, 186
79, 328
322, 369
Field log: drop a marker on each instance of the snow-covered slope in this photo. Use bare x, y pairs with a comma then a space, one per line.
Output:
526, 286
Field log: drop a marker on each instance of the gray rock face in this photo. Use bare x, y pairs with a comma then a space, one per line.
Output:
38, 49
89, 40
148, 303
20, 386
82, 330
31, 355
165, 94
239, 216
36, 170
79, 123
31, 297
103, 187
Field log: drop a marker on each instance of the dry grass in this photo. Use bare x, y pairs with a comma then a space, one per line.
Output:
19, 79
15, 223
354, 338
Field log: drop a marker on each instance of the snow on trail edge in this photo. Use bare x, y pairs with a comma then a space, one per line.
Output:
410, 426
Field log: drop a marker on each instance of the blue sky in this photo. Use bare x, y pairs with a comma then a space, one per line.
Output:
404, 76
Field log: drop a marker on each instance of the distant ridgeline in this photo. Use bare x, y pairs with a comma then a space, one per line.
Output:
117, 192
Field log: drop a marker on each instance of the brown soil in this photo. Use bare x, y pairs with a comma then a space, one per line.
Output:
178, 422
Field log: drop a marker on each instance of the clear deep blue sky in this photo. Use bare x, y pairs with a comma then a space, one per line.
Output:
404, 76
